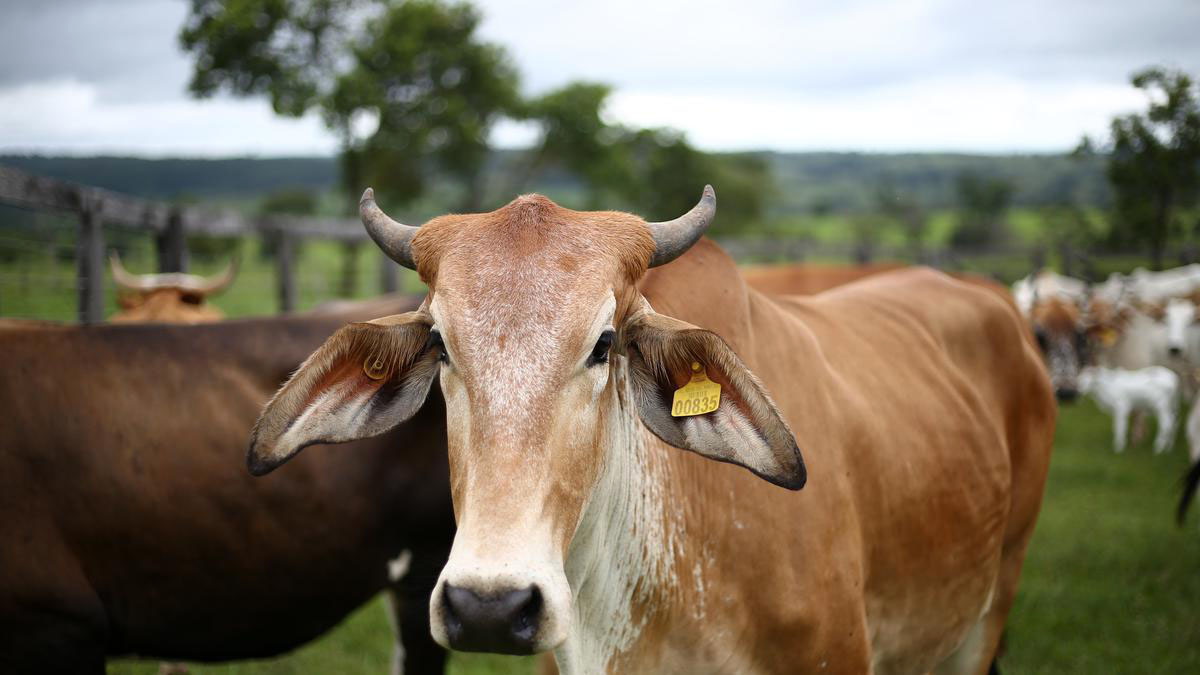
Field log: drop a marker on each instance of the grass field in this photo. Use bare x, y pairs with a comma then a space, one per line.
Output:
1111, 585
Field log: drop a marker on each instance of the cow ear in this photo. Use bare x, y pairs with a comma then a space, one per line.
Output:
365, 380
745, 429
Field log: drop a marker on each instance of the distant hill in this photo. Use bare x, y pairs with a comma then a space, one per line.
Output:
849, 181
804, 181
185, 178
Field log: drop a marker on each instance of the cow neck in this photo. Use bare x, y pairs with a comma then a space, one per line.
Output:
622, 558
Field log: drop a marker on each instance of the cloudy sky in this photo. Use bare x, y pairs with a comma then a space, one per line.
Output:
88, 76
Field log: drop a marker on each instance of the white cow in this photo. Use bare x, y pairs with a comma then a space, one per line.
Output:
1159, 287
1120, 392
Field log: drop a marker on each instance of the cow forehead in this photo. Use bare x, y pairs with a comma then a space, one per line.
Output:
1181, 309
1055, 315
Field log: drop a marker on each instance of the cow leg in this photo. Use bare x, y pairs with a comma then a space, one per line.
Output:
1138, 430
1166, 428
412, 580
1193, 431
1120, 428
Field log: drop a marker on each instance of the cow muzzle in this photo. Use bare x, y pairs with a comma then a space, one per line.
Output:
517, 608
504, 622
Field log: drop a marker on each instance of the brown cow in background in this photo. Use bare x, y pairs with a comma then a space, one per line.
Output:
131, 527
167, 298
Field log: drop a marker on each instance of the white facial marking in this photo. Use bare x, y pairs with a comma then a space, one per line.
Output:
625, 546
1180, 315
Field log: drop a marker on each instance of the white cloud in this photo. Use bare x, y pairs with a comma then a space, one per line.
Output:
962, 114
90, 76
71, 117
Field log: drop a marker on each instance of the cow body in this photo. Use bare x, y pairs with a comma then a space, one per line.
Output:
809, 279
132, 529
592, 519
1154, 389
913, 452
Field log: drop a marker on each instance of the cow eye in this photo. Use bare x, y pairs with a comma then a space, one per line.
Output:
600, 351
435, 342
1041, 338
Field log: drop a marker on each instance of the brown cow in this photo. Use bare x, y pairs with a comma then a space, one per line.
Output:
167, 298
1063, 339
809, 279
920, 400
129, 527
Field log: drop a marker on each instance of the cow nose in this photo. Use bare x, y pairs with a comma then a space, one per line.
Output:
1066, 394
504, 623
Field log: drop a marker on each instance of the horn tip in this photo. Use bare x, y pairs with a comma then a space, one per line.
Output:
709, 193
368, 195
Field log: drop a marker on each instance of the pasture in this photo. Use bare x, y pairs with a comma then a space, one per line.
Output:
1110, 584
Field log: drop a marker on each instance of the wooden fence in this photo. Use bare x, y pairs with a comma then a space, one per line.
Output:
170, 224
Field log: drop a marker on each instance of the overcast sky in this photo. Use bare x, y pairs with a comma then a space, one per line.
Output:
88, 76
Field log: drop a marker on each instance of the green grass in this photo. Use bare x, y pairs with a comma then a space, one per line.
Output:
361, 644
1110, 584
42, 286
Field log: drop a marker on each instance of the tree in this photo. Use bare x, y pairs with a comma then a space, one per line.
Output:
1154, 161
414, 71
983, 203
655, 172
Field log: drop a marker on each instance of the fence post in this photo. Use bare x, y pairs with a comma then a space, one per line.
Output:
89, 259
389, 280
348, 286
287, 272
172, 245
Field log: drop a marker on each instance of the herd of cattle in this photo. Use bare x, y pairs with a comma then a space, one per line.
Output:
508, 466
1131, 342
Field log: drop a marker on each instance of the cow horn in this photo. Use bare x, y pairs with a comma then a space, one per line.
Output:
220, 282
673, 237
394, 238
123, 277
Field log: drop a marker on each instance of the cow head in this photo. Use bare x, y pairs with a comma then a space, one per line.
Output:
1179, 314
548, 356
1060, 335
172, 297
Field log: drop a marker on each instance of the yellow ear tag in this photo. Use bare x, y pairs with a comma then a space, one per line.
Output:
374, 368
699, 396
1108, 336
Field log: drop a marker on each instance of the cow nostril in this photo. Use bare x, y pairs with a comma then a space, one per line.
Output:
1174, 351
1066, 394
525, 622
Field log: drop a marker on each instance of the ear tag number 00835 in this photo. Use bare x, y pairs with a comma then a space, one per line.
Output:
699, 396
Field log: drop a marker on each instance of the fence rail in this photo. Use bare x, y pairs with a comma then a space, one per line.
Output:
170, 224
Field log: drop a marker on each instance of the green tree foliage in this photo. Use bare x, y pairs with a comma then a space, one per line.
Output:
983, 204
654, 172
1154, 161
574, 136
414, 70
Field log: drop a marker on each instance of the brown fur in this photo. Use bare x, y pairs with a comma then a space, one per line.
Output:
164, 305
809, 279
922, 407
